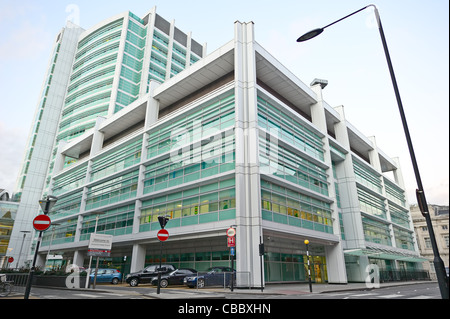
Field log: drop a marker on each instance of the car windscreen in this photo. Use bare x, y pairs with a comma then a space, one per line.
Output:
150, 268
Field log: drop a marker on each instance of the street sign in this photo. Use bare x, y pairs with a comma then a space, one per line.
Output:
231, 241
41, 222
231, 232
10, 259
232, 251
162, 235
100, 245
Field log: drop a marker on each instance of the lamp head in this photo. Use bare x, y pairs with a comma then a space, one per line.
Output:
311, 34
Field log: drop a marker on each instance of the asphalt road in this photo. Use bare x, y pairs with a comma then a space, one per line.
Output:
412, 291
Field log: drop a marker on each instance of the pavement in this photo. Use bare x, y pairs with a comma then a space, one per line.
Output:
221, 293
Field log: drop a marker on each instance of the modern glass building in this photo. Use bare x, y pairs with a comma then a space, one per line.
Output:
234, 139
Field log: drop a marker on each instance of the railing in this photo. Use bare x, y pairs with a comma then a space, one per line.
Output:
403, 275
19, 281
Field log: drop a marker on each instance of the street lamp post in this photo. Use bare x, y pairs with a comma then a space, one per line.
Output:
88, 274
25, 232
51, 240
438, 263
46, 206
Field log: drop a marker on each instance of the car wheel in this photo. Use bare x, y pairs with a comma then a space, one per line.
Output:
164, 283
134, 282
115, 281
200, 283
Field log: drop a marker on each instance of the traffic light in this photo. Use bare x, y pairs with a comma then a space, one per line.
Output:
163, 221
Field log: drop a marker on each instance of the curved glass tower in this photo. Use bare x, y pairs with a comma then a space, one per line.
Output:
94, 73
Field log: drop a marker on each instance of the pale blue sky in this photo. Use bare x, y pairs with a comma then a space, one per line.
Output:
349, 55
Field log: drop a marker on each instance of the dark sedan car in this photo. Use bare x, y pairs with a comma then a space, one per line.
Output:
219, 276
174, 278
147, 274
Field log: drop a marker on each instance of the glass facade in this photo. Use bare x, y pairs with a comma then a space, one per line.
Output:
208, 203
282, 205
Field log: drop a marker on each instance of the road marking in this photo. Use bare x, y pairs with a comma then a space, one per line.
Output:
86, 295
421, 297
111, 294
391, 296
337, 294
366, 294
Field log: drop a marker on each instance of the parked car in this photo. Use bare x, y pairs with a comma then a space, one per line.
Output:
147, 274
174, 278
113, 276
214, 276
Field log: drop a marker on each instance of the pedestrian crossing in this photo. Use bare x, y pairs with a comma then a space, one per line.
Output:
372, 295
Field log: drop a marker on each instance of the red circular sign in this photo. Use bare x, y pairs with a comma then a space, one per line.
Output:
10, 259
231, 232
42, 222
163, 235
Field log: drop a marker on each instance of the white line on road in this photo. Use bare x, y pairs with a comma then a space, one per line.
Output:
421, 297
86, 295
391, 296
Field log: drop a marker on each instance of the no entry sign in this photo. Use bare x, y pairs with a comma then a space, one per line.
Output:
41, 222
162, 235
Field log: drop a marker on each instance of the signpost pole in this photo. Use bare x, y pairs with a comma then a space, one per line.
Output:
231, 233
162, 221
95, 275
40, 223
32, 270
261, 254
158, 290
309, 266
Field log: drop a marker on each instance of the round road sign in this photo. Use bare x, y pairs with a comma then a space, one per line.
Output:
231, 232
10, 259
163, 235
41, 222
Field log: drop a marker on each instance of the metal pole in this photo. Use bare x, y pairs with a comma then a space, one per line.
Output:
159, 270
32, 270
88, 274
95, 276
21, 246
438, 263
232, 273
309, 266
261, 253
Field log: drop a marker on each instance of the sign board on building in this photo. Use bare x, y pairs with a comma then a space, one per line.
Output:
100, 245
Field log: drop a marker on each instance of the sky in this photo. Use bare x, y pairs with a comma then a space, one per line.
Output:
349, 55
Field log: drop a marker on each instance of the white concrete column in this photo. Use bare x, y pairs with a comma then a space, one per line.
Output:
138, 258
170, 49
351, 215
248, 197
334, 254
147, 52
78, 257
152, 112
116, 80
97, 137
398, 176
